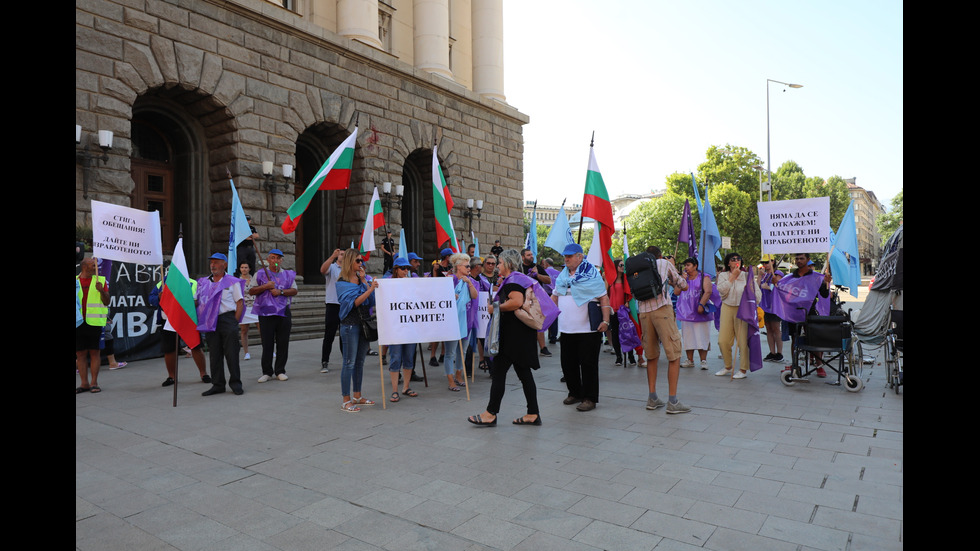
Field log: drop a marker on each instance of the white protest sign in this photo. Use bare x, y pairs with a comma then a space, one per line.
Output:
126, 234
795, 226
483, 314
416, 309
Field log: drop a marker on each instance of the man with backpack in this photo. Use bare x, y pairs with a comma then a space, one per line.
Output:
646, 274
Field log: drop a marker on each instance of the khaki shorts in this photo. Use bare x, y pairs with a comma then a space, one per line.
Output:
660, 325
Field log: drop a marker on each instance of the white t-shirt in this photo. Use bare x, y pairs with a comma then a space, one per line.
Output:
573, 318
332, 275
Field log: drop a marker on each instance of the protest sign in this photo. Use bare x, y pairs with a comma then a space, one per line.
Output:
418, 309
795, 226
483, 314
126, 234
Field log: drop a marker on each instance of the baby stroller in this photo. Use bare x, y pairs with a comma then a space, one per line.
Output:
829, 337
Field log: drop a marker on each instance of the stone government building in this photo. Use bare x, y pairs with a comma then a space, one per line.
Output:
194, 88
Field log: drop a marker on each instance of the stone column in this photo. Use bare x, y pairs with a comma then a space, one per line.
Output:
432, 36
488, 48
358, 19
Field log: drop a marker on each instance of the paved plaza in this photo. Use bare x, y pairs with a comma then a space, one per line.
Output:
755, 465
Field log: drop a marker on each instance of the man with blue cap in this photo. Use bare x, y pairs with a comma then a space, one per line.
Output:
274, 290
416, 262
220, 306
578, 285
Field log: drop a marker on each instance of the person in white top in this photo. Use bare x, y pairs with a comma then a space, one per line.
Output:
331, 318
731, 286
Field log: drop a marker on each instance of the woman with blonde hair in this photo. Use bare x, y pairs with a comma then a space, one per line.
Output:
356, 297
465, 289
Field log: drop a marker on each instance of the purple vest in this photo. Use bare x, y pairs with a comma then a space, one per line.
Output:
765, 301
687, 302
266, 304
209, 300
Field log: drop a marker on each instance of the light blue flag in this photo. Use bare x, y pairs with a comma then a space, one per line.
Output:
710, 240
532, 235
560, 235
240, 230
697, 196
476, 245
845, 263
402, 245
462, 245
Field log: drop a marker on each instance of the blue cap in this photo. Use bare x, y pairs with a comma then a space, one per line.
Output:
276, 251
218, 256
413, 256
446, 252
572, 248
399, 261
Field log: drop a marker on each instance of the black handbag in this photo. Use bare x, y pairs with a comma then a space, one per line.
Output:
369, 323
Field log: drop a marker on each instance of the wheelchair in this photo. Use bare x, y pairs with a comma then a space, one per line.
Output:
894, 347
830, 336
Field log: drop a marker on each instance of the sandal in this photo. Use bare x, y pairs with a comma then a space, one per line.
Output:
484, 366
362, 401
410, 393
521, 421
95, 389
461, 384
349, 407
477, 420
455, 388
394, 397
82, 389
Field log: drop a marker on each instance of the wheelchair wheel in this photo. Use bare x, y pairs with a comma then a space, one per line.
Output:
853, 383
787, 378
894, 361
855, 359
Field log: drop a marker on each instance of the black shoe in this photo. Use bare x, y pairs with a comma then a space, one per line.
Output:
552, 341
238, 390
212, 391
433, 362
769, 357
205, 378
545, 352
563, 379
372, 353
442, 358
168, 382
384, 360
416, 379
777, 358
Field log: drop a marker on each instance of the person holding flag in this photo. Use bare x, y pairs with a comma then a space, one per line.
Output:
732, 284
273, 291
803, 292
220, 306
175, 296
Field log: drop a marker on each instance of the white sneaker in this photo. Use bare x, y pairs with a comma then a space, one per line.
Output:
282, 377
740, 375
264, 378
704, 364
724, 372
248, 356
687, 363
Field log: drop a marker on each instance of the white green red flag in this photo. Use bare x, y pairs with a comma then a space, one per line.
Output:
442, 204
334, 174
177, 299
375, 219
596, 205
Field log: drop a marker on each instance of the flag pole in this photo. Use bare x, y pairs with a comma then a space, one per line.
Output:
581, 220
180, 235
343, 212
462, 361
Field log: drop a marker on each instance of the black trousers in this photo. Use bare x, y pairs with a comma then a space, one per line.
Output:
331, 323
274, 331
580, 364
223, 345
498, 372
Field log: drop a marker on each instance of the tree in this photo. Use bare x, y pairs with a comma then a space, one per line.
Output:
889, 222
737, 217
655, 222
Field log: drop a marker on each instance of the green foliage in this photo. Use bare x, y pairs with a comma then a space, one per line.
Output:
888, 223
655, 222
737, 217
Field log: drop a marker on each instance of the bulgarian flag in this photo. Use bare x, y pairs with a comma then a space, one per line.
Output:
334, 174
442, 203
596, 206
177, 299
375, 219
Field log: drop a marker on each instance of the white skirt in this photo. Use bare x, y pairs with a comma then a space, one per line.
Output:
249, 318
695, 335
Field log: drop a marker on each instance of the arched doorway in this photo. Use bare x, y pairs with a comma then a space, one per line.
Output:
168, 165
418, 218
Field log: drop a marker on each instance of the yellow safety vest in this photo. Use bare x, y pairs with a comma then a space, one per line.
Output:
96, 313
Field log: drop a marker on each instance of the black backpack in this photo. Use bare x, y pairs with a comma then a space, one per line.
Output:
643, 276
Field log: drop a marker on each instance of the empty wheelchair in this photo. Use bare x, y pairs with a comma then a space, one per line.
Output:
824, 341
894, 347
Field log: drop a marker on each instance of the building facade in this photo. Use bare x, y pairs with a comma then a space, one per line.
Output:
867, 207
197, 91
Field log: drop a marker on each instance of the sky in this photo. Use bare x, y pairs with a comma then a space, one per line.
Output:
661, 81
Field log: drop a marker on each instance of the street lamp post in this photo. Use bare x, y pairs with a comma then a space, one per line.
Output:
768, 151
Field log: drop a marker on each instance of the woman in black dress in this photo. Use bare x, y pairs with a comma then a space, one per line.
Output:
518, 345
